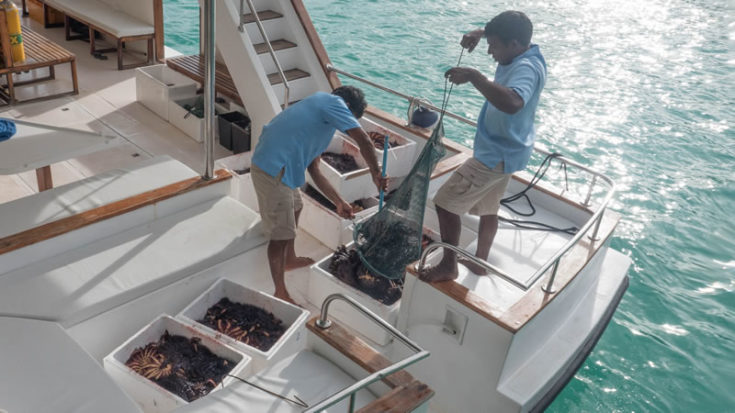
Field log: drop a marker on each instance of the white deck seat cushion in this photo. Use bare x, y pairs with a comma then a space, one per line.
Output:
83, 195
90, 279
307, 375
44, 370
104, 16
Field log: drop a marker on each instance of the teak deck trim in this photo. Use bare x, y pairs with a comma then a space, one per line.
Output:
358, 351
402, 399
83, 219
535, 298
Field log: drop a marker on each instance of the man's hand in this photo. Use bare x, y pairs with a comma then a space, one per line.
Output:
472, 39
381, 182
460, 75
344, 209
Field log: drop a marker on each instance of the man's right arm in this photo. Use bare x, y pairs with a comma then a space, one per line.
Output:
344, 209
472, 39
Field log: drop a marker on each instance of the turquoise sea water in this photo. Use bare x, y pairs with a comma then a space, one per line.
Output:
643, 90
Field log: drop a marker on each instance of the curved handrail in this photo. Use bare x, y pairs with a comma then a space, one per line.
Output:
595, 219
268, 44
438, 244
350, 391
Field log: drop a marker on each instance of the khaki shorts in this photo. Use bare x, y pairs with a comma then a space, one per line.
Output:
278, 204
473, 188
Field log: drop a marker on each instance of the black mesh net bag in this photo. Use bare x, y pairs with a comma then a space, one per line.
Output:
391, 239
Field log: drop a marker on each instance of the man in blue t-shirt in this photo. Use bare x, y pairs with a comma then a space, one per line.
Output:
291, 143
504, 137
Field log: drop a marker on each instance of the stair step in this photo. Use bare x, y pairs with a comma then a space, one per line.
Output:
293, 74
279, 44
263, 15
291, 103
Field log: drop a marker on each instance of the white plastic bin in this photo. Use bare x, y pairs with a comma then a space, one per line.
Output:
192, 125
401, 157
351, 186
156, 85
293, 318
322, 284
328, 227
149, 395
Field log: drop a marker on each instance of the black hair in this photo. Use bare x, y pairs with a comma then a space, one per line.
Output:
510, 25
354, 98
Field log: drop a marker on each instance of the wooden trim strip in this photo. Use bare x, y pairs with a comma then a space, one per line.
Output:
123, 206
535, 299
358, 351
158, 30
403, 399
316, 43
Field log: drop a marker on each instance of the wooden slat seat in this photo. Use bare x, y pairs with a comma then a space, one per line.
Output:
40, 52
193, 67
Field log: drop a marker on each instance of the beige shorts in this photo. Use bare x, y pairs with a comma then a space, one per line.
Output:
473, 188
278, 204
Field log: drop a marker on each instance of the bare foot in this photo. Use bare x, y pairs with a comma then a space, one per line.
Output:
476, 269
284, 296
297, 262
437, 274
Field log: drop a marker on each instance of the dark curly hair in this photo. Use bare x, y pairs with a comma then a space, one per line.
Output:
354, 98
510, 25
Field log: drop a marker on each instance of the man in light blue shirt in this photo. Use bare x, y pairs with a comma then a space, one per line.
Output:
290, 144
504, 137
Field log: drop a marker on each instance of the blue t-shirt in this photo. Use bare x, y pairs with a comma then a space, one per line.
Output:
296, 136
509, 138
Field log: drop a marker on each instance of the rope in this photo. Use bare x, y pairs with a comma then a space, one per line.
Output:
534, 225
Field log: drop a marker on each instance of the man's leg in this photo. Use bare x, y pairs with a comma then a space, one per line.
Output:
450, 226
292, 261
485, 236
276, 260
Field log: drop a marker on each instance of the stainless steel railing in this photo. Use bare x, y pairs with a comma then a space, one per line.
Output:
553, 263
241, 27
352, 390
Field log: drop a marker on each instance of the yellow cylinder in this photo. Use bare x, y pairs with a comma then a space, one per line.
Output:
12, 16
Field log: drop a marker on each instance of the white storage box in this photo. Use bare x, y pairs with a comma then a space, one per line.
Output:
149, 395
322, 284
401, 157
325, 225
293, 318
350, 186
156, 85
242, 182
191, 125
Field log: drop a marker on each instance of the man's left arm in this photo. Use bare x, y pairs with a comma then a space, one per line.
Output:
503, 98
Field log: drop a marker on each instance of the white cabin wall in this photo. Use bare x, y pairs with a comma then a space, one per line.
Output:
468, 372
244, 66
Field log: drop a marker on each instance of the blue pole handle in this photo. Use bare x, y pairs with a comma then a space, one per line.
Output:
385, 165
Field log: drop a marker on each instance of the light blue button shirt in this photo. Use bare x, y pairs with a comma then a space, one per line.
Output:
296, 136
509, 138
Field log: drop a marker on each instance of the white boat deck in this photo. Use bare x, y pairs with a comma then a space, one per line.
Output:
106, 104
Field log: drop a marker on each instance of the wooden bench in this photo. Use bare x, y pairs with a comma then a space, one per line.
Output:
40, 53
117, 22
193, 67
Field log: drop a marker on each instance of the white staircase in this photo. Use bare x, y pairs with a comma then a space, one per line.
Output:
251, 65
